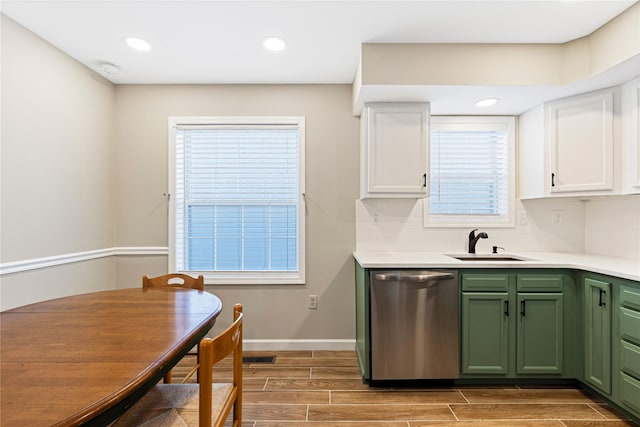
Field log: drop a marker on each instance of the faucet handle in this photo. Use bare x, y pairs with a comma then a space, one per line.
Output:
473, 233
495, 249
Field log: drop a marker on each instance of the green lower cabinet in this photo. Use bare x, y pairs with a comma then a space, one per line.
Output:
630, 391
514, 333
597, 329
627, 340
539, 333
630, 366
485, 333
611, 325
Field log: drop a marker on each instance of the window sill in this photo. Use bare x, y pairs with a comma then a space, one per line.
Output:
265, 278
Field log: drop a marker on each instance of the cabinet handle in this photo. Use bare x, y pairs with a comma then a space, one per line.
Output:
602, 303
424, 180
506, 308
522, 308
553, 179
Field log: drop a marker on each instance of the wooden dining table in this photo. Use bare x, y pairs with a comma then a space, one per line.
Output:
85, 359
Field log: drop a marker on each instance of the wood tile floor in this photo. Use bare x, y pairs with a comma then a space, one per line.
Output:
324, 389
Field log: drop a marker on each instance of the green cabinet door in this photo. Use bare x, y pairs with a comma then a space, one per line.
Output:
485, 332
539, 333
597, 330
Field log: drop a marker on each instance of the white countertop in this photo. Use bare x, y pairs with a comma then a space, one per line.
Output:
617, 267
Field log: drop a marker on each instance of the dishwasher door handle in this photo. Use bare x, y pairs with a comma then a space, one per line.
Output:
411, 277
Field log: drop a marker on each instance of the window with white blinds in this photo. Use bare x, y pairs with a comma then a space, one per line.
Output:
238, 215
472, 172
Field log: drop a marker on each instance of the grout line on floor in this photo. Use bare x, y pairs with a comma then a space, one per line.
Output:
596, 410
453, 412
596, 407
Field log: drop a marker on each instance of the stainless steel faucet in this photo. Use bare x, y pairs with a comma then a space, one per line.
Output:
473, 239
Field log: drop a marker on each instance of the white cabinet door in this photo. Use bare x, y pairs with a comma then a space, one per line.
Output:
532, 157
631, 136
581, 139
395, 150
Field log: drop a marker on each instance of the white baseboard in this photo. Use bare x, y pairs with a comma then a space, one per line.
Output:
281, 345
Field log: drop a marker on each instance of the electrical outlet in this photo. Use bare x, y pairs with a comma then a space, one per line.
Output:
522, 218
313, 301
556, 217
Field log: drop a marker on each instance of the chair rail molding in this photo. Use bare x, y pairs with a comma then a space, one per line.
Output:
55, 260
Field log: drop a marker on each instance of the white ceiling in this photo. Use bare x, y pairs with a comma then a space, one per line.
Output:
220, 41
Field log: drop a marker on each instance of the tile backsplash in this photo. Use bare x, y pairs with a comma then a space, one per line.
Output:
612, 226
600, 225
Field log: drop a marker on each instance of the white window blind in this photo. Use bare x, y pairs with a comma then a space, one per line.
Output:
471, 167
238, 201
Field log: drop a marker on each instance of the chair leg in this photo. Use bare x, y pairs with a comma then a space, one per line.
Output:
167, 378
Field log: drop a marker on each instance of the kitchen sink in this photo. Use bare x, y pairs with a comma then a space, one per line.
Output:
488, 257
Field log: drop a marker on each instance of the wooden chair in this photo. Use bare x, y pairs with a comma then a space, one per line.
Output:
174, 280
205, 404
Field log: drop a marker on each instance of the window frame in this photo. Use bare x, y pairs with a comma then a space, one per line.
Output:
240, 277
485, 221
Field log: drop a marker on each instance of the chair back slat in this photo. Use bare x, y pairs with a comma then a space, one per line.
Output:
174, 280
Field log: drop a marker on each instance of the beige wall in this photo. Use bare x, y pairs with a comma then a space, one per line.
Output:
332, 153
461, 64
84, 167
60, 281
56, 170
616, 41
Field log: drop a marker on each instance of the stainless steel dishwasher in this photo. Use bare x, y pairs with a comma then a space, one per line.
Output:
414, 325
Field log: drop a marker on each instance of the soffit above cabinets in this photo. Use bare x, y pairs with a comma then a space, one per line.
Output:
452, 77
514, 100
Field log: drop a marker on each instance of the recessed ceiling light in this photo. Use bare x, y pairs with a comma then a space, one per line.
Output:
274, 44
137, 43
487, 102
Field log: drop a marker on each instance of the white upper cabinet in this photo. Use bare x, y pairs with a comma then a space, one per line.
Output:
631, 137
394, 150
580, 134
568, 146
